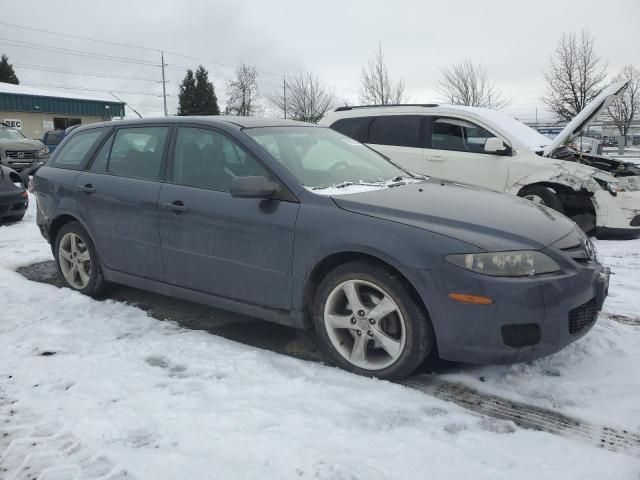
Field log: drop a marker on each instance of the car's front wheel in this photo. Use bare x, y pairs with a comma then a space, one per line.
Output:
369, 323
543, 196
77, 259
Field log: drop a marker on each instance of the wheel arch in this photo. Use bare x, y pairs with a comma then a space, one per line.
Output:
60, 221
334, 260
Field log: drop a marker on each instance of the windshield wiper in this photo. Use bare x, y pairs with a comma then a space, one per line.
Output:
335, 185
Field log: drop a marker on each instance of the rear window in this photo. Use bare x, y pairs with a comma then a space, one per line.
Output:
356, 128
74, 152
396, 130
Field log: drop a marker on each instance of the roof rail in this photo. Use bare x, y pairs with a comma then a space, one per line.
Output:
349, 107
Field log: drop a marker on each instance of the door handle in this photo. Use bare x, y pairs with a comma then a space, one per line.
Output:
87, 188
435, 158
177, 206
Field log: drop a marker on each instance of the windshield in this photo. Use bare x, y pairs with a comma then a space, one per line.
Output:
321, 158
10, 134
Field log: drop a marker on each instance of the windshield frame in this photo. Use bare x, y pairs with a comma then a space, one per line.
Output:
404, 173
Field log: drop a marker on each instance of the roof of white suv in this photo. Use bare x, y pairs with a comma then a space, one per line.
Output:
506, 125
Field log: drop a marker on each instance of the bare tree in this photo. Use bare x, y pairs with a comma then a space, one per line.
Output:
624, 109
575, 76
467, 84
242, 92
376, 86
308, 98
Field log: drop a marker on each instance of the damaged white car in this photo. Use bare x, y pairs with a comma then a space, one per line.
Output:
484, 147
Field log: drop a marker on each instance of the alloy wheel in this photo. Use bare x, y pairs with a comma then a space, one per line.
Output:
75, 261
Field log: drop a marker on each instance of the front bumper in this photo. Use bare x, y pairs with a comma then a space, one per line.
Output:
12, 204
617, 215
530, 317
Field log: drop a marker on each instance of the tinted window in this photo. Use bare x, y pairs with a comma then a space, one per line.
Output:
207, 159
101, 159
458, 135
54, 138
137, 152
356, 128
74, 152
398, 130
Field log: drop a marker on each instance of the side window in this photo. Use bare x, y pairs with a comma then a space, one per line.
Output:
74, 152
208, 159
356, 128
458, 135
397, 130
137, 152
101, 159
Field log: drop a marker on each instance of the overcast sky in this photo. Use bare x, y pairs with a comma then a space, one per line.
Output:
513, 40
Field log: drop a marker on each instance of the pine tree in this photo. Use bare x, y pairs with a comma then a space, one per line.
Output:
205, 94
187, 99
7, 75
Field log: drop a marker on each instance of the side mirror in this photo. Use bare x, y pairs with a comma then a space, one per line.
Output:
252, 187
494, 145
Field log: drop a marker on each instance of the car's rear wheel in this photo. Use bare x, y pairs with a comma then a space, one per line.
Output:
77, 259
543, 196
369, 323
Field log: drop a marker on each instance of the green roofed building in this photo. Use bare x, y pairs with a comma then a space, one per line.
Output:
34, 110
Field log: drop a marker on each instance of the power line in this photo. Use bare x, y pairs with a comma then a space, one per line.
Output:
71, 87
69, 51
82, 73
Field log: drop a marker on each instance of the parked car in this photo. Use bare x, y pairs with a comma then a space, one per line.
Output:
300, 225
491, 149
14, 199
52, 139
18, 151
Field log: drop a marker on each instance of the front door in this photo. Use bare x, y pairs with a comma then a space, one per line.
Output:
118, 196
455, 151
237, 248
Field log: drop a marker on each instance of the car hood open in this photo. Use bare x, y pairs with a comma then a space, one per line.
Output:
488, 220
580, 121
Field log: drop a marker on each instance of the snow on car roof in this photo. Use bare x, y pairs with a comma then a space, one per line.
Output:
514, 127
45, 92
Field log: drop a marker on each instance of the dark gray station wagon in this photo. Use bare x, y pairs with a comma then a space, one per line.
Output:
300, 225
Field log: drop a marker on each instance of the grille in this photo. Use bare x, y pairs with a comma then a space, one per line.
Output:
583, 316
21, 155
521, 335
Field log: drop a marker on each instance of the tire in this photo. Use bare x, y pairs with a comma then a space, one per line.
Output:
395, 344
84, 245
543, 196
14, 218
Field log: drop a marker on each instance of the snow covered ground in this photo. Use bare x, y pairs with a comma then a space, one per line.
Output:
92, 389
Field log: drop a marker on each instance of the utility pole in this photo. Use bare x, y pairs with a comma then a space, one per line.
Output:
164, 84
537, 117
284, 88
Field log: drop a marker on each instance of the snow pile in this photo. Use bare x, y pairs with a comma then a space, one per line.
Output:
119, 390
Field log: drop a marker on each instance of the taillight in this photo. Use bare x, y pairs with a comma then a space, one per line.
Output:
24, 195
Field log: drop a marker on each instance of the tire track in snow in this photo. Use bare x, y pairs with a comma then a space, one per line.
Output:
528, 416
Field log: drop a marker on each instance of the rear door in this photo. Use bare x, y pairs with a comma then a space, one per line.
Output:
118, 198
455, 151
237, 248
401, 138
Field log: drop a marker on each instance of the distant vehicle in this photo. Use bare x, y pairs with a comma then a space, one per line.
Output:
587, 145
18, 151
300, 225
14, 199
487, 148
52, 139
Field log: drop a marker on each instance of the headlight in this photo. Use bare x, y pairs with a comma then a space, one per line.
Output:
506, 264
43, 151
612, 187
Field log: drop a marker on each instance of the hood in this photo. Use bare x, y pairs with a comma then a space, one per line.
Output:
580, 121
22, 144
488, 220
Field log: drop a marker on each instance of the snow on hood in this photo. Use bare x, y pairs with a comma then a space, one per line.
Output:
580, 121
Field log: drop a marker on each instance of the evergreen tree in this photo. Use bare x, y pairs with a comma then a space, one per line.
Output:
187, 98
7, 75
206, 100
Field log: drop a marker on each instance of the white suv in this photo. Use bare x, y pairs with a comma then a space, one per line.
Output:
490, 149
